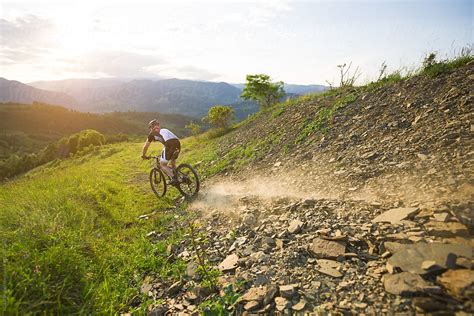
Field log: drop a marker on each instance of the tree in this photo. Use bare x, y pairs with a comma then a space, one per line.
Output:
194, 128
220, 116
259, 88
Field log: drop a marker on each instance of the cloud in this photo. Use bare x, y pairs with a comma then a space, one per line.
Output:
25, 39
28, 31
116, 64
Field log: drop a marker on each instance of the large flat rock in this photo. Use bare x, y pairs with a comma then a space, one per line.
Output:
404, 283
442, 229
395, 215
322, 248
410, 258
459, 283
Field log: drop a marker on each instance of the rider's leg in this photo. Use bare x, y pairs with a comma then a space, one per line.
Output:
166, 168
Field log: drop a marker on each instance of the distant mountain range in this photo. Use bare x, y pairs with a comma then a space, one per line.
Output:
15, 91
187, 97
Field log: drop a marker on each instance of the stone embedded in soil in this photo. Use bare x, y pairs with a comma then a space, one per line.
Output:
299, 306
428, 265
329, 267
229, 263
395, 215
404, 283
295, 226
271, 292
327, 249
249, 220
254, 294
459, 283
409, 258
288, 291
464, 263
451, 229
175, 288
428, 304
252, 305
281, 303
441, 217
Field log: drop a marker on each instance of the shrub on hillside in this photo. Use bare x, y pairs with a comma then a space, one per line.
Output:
80, 143
220, 116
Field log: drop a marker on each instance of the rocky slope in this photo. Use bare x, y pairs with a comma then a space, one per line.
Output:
362, 208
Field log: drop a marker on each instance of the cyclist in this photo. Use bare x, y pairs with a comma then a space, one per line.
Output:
170, 153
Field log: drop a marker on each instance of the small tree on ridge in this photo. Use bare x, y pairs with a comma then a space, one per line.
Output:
259, 88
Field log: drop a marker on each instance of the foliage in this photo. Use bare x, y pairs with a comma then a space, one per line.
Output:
324, 115
72, 241
29, 128
65, 147
221, 305
432, 68
260, 89
220, 116
347, 79
194, 128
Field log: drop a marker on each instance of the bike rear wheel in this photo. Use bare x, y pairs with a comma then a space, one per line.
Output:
158, 182
188, 179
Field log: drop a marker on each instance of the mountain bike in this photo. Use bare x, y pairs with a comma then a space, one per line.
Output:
187, 183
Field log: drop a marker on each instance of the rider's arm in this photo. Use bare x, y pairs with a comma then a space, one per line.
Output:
145, 148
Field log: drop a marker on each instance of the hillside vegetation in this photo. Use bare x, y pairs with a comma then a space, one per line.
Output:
29, 128
287, 219
73, 240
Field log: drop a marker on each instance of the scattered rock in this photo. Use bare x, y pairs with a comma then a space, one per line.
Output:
459, 283
441, 217
251, 306
451, 229
159, 310
175, 288
395, 215
271, 292
329, 267
254, 294
295, 226
404, 283
409, 258
281, 303
327, 249
464, 262
249, 220
428, 265
229, 263
287, 291
428, 304
299, 306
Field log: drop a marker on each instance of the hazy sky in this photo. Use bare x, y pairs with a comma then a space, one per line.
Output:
293, 41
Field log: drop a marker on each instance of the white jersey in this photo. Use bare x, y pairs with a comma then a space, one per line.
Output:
163, 136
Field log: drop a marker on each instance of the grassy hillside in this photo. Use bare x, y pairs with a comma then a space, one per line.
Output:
29, 128
72, 238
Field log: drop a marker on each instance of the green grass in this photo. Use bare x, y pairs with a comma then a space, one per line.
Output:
72, 241
436, 68
320, 122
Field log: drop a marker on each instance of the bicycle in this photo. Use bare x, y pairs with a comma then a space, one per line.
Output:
187, 184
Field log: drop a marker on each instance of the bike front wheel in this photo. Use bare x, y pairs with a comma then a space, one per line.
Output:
188, 180
158, 182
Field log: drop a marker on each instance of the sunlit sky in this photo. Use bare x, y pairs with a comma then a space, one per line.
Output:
294, 41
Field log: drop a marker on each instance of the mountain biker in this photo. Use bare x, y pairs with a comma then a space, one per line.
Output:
170, 152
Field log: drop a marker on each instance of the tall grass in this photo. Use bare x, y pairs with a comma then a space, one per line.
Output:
72, 241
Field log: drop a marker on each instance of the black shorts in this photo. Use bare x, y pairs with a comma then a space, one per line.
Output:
171, 150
